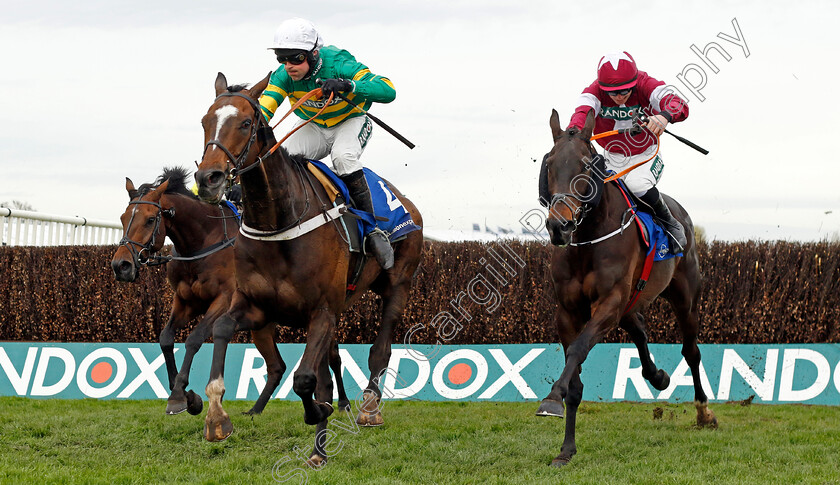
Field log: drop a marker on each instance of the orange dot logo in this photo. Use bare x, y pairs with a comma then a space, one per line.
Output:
101, 372
460, 373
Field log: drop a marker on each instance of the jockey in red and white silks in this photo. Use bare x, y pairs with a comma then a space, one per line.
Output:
619, 94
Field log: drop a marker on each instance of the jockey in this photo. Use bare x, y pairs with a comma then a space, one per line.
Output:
341, 131
620, 94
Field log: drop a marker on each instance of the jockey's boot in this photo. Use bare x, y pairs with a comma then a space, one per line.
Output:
360, 193
672, 226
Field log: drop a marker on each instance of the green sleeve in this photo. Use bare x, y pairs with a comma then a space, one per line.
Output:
369, 86
274, 94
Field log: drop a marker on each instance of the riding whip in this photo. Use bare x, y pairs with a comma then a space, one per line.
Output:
375, 120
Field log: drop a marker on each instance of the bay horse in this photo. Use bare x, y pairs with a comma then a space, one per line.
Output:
594, 277
302, 281
200, 273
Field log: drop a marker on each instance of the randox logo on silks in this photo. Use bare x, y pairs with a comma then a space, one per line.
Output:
772, 373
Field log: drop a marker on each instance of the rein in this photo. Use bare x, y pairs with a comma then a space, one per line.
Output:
295, 227
151, 258
632, 167
314, 93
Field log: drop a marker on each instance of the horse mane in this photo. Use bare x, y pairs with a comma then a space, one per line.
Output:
237, 87
177, 177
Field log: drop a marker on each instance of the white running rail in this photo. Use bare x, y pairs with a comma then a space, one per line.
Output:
27, 228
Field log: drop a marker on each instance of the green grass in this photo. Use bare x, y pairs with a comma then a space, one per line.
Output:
93, 441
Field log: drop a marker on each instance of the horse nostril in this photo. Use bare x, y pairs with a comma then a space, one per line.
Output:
215, 178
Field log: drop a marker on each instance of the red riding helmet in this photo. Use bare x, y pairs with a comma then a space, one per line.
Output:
617, 71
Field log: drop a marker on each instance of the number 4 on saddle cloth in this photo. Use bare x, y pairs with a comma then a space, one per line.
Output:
391, 216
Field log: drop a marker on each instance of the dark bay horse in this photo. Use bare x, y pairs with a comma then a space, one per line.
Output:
200, 273
299, 281
593, 283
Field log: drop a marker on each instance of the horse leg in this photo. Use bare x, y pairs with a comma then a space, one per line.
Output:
335, 365
264, 341
217, 425
180, 399
323, 393
573, 398
634, 324
178, 317
393, 303
569, 388
319, 336
684, 295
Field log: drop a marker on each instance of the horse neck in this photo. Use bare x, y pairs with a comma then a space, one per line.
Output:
193, 227
273, 195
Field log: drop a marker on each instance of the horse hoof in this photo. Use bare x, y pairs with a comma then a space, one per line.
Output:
550, 407
561, 461
369, 414
705, 417
194, 403
218, 429
661, 381
316, 461
176, 407
370, 419
344, 406
323, 410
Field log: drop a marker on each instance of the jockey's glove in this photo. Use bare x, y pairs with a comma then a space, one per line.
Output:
329, 86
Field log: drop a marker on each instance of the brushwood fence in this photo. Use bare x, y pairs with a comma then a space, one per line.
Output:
465, 293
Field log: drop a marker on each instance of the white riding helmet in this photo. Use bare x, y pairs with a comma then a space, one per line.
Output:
298, 34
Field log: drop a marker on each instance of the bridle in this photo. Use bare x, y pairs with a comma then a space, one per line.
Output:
582, 207
257, 124
143, 255
147, 253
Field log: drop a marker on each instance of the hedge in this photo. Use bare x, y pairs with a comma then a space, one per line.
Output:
754, 292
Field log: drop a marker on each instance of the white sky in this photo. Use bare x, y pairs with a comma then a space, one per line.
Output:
95, 91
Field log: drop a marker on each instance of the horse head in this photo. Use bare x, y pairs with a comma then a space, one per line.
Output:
143, 233
569, 186
235, 133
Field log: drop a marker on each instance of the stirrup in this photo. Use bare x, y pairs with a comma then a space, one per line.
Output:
381, 248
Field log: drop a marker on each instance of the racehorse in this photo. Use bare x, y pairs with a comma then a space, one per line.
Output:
301, 281
595, 276
200, 273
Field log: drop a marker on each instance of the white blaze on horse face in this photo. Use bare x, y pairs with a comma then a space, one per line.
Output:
222, 115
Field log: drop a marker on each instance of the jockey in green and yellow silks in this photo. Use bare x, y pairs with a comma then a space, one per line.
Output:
341, 131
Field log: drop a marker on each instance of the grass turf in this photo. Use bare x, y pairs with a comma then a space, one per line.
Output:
90, 441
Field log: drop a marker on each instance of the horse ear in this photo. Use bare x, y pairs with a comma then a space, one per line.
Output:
129, 187
586, 134
155, 195
554, 123
221, 84
256, 91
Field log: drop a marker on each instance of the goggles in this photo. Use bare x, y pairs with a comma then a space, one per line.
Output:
294, 59
619, 93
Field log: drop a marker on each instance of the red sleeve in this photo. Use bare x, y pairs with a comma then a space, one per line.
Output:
661, 98
587, 100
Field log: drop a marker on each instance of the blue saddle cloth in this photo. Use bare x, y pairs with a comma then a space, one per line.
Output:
657, 237
386, 205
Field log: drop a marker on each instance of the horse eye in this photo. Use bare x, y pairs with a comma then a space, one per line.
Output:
150, 221
246, 124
